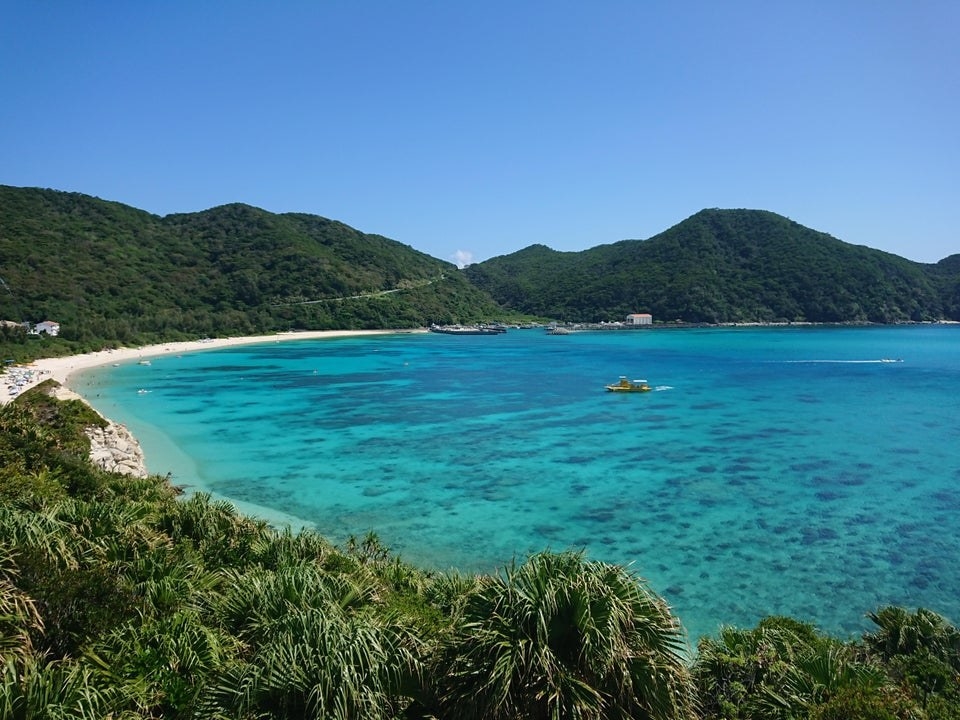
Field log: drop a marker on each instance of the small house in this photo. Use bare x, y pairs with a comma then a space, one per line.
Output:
47, 326
640, 319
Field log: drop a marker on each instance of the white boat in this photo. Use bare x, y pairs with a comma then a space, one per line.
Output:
468, 330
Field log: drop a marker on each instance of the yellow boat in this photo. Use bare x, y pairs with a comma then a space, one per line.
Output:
629, 386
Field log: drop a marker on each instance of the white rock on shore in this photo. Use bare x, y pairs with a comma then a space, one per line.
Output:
112, 448
115, 449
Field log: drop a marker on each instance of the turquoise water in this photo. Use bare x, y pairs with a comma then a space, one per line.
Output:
772, 470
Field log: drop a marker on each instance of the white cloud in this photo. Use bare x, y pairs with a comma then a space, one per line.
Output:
462, 258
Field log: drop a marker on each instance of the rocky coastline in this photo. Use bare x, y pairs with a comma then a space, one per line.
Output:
113, 447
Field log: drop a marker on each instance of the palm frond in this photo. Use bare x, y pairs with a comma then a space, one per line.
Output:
56, 691
318, 665
560, 636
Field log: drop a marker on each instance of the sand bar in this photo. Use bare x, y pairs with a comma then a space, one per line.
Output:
61, 368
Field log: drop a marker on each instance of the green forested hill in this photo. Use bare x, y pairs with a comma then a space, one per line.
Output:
111, 273
724, 266
108, 271
946, 273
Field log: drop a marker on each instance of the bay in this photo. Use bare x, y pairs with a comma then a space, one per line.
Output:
771, 471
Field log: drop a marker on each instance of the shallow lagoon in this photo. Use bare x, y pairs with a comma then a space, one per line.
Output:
773, 470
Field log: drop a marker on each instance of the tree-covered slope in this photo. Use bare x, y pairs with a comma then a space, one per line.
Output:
104, 270
721, 266
946, 274
111, 273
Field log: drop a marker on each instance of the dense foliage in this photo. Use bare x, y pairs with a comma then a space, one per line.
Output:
109, 273
114, 275
724, 266
120, 599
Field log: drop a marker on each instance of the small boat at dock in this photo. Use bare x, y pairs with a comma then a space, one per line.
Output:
468, 329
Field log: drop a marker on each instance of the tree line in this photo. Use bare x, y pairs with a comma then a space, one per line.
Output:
725, 266
114, 275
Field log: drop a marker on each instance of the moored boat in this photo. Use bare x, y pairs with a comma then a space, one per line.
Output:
629, 386
468, 329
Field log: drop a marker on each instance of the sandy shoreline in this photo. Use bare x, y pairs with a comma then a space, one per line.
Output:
61, 368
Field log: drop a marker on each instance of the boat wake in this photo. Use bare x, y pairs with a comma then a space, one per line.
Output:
843, 362
660, 388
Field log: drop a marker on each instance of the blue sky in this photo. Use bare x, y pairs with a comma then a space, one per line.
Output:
474, 129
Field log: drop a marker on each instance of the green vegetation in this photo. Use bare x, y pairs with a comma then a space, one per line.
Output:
946, 274
114, 275
121, 599
725, 266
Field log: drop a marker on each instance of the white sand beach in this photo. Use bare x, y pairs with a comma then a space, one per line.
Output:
61, 368
119, 451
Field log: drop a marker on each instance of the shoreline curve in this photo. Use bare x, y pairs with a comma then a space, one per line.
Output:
62, 368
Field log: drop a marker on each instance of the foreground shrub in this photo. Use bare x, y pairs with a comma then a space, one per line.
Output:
563, 637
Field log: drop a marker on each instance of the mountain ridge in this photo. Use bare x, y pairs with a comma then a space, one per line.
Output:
111, 272
724, 266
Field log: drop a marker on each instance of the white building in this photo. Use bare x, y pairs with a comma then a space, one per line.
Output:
47, 326
639, 319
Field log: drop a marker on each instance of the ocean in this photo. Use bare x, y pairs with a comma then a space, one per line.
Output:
803, 471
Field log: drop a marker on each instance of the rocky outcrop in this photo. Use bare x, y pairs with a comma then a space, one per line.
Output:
115, 449
112, 448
